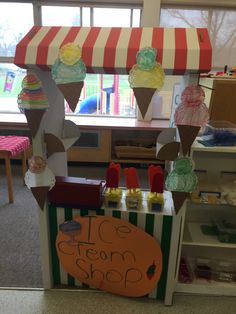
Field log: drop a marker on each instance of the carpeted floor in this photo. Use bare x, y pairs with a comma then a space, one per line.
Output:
71, 302
20, 264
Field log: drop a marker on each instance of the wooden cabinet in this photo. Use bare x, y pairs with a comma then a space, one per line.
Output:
123, 146
122, 140
218, 165
220, 98
94, 145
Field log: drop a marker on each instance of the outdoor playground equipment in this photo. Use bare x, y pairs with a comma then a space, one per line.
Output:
105, 102
93, 103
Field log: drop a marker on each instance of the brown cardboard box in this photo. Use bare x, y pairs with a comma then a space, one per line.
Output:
220, 98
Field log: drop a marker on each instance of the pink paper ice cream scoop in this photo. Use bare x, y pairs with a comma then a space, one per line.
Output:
192, 110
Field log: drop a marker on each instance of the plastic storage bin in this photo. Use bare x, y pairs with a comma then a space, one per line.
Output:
219, 133
217, 270
226, 231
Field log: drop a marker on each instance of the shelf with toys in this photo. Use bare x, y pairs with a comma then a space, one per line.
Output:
205, 287
194, 236
208, 245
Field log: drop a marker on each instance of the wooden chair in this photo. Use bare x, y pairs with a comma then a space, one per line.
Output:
13, 146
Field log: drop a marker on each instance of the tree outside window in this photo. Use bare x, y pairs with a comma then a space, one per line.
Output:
15, 21
221, 26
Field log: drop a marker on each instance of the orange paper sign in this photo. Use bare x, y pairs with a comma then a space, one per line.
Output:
110, 254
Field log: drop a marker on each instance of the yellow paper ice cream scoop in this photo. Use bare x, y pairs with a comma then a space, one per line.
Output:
146, 77
70, 53
153, 78
68, 72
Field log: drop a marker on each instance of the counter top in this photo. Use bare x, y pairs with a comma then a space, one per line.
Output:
19, 121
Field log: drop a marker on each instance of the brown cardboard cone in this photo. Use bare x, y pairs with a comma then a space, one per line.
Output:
40, 194
178, 199
169, 151
34, 117
53, 143
71, 92
187, 134
143, 97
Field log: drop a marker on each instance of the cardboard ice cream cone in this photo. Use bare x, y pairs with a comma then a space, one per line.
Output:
143, 97
34, 117
71, 92
40, 194
53, 144
168, 151
187, 134
178, 199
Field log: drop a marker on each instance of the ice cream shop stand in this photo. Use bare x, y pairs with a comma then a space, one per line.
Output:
182, 51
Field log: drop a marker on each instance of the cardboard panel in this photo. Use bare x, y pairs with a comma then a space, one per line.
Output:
40, 194
71, 93
53, 143
34, 118
168, 151
187, 134
178, 199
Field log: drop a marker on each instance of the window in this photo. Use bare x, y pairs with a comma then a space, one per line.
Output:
222, 30
136, 18
103, 94
10, 86
60, 16
108, 95
15, 21
221, 26
111, 17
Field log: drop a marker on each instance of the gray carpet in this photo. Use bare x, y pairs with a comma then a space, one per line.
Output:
20, 264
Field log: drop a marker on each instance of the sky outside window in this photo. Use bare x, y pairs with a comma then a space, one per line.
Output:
60, 16
16, 19
110, 17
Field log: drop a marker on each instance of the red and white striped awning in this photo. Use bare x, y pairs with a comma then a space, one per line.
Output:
113, 50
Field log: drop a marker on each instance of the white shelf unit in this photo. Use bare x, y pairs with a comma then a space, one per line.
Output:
215, 163
205, 288
193, 236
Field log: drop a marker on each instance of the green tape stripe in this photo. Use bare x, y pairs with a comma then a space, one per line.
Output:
149, 223
100, 212
133, 218
116, 213
70, 280
69, 216
83, 212
53, 235
165, 248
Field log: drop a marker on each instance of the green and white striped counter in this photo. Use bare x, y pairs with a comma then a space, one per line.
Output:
164, 227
